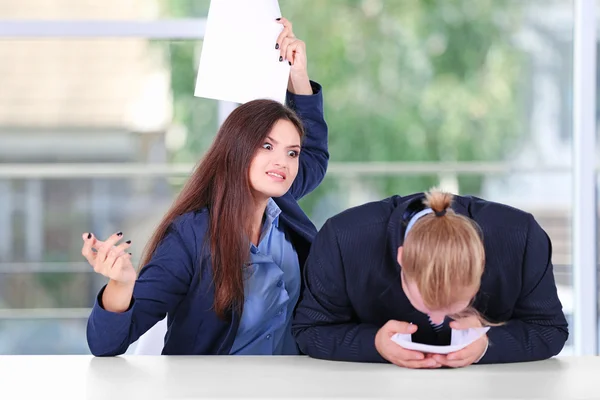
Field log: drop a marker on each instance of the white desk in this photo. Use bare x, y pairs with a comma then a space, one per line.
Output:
152, 377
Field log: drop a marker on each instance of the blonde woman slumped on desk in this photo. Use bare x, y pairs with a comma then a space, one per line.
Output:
425, 264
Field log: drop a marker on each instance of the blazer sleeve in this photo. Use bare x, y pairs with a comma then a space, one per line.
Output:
324, 324
160, 287
538, 328
314, 156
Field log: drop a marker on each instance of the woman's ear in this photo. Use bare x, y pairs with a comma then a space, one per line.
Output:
400, 255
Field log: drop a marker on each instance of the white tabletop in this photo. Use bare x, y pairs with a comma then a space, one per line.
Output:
152, 377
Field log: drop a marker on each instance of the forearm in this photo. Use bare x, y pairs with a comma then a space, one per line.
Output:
314, 156
520, 341
339, 342
117, 296
110, 333
299, 83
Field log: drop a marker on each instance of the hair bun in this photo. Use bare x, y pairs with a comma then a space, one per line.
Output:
440, 213
438, 201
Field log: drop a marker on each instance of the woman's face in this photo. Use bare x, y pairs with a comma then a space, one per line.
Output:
275, 164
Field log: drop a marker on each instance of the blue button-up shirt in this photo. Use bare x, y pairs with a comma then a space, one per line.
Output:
271, 290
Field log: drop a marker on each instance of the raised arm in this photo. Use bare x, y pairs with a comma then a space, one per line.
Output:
306, 98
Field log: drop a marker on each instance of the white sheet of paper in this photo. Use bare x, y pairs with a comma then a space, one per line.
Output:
239, 62
459, 339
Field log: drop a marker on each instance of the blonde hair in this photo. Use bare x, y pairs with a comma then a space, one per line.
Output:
443, 255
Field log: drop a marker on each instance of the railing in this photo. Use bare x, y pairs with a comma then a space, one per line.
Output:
68, 170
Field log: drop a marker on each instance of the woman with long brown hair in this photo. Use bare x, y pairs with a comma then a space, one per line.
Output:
224, 264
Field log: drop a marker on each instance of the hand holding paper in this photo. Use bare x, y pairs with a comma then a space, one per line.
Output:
293, 51
468, 343
459, 340
239, 60
397, 354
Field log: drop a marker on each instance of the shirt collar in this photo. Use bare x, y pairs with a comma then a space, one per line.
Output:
415, 217
271, 219
272, 213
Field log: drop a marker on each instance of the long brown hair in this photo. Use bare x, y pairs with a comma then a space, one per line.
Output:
221, 183
444, 255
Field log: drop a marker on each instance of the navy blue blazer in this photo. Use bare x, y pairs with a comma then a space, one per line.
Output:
352, 284
177, 282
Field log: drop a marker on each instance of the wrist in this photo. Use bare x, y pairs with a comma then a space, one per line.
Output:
299, 83
117, 296
124, 286
485, 349
302, 74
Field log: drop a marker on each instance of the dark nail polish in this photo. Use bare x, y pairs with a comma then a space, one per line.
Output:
280, 58
289, 62
128, 242
130, 254
119, 233
89, 235
277, 46
278, 19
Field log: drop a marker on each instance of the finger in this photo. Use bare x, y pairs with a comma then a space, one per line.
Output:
392, 327
445, 361
294, 49
96, 243
441, 358
285, 44
115, 254
394, 350
87, 250
107, 246
121, 263
458, 363
411, 355
285, 32
466, 323
120, 249
286, 24
426, 363
282, 35
406, 354
282, 40
111, 258
460, 354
